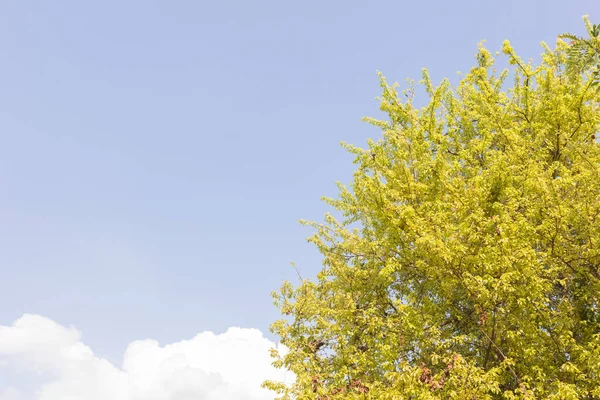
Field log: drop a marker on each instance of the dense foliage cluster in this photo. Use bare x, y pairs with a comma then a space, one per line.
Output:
467, 261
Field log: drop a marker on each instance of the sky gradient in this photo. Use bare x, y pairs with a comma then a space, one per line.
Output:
155, 156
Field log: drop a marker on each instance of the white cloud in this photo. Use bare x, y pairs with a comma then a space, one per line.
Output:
10, 394
228, 366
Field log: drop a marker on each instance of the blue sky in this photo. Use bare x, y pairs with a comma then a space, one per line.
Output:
155, 156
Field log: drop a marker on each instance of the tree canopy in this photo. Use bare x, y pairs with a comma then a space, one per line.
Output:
466, 261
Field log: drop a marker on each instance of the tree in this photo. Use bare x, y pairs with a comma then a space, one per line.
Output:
466, 261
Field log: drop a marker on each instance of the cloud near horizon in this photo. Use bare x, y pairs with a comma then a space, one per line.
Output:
227, 366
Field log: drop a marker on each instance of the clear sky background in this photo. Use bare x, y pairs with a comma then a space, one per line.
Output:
155, 156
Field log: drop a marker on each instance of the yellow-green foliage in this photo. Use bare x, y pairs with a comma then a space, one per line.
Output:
467, 261
584, 52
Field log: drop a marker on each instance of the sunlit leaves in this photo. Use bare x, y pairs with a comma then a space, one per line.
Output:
584, 53
466, 264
